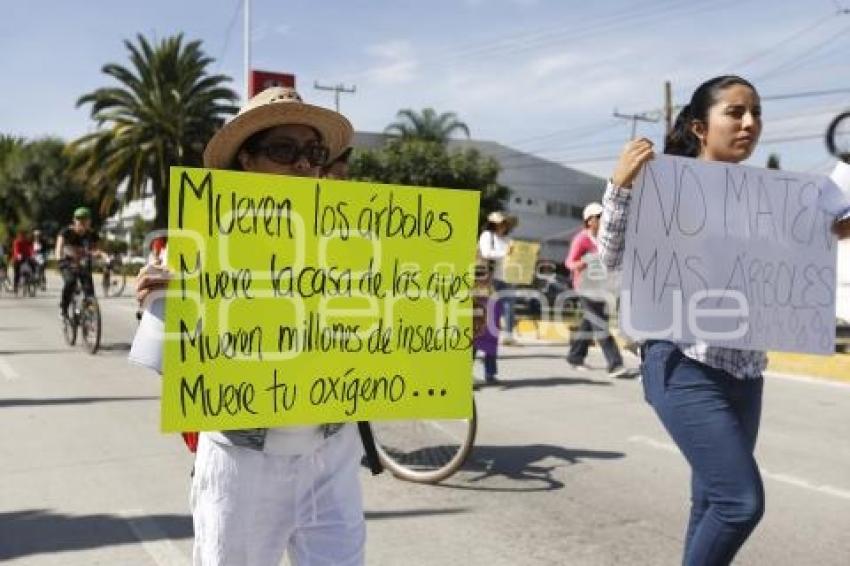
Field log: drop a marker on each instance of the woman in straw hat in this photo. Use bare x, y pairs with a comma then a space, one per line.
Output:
493, 246
258, 493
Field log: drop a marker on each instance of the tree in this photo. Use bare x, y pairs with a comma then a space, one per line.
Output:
426, 126
36, 189
430, 164
162, 114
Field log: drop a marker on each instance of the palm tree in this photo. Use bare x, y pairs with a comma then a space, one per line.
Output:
162, 114
427, 125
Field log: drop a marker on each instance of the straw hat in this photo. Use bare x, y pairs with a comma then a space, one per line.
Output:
496, 217
276, 106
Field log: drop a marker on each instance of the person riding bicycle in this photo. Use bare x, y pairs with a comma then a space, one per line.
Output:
74, 244
22, 253
39, 248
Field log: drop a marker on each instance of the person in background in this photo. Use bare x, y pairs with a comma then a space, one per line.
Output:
583, 262
487, 321
22, 253
74, 244
493, 246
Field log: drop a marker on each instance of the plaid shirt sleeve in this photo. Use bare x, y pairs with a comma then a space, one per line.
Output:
612, 229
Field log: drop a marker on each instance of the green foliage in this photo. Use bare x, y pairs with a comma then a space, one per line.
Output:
36, 190
164, 110
426, 125
430, 164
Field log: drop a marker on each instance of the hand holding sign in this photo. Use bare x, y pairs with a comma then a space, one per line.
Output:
635, 154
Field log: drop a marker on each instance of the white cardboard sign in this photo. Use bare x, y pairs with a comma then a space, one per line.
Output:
729, 255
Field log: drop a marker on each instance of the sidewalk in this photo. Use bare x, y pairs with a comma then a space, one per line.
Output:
835, 367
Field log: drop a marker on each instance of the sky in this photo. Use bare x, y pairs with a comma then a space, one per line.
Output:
542, 76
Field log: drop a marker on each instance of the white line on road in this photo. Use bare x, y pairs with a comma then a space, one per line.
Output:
783, 478
154, 541
808, 379
7, 371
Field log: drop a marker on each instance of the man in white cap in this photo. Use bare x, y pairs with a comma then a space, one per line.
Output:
583, 261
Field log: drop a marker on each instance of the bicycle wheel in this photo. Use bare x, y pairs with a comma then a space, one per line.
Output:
69, 324
90, 324
28, 284
119, 282
107, 283
425, 451
838, 137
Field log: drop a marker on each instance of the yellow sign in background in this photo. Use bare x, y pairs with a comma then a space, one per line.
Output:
519, 263
298, 301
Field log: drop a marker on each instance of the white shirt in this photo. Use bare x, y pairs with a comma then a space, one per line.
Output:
494, 247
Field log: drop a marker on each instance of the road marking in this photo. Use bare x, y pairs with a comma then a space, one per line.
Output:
7, 371
778, 477
807, 379
154, 541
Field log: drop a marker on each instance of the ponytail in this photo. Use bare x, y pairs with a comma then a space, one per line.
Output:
681, 140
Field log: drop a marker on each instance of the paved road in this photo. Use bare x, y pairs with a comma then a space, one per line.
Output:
570, 469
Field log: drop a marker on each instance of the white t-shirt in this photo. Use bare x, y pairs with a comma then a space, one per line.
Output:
494, 247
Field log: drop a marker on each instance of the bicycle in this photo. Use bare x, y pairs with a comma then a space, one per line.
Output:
40, 271
5, 282
83, 314
114, 277
838, 137
27, 282
425, 451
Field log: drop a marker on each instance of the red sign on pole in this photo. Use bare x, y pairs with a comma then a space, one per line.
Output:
261, 80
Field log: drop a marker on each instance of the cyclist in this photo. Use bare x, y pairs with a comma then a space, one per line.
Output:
39, 248
22, 253
74, 243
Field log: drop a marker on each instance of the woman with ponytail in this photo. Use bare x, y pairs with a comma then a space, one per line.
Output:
707, 397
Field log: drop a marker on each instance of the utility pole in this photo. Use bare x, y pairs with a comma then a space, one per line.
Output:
246, 12
337, 89
642, 117
668, 106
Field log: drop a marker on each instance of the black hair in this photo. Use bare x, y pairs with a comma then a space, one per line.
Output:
681, 140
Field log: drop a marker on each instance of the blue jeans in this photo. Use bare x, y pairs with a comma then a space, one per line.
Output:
490, 367
507, 302
714, 419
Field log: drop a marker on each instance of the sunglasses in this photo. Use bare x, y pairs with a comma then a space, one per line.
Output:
287, 151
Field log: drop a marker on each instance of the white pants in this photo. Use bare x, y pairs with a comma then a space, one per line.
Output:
248, 507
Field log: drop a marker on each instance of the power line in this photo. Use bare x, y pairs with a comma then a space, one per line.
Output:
806, 94
783, 42
801, 57
337, 89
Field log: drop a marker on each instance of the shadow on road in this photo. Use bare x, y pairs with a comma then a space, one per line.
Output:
534, 356
40, 531
115, 347
516, 383
530, 465
35, 351
35, 402
410, 513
